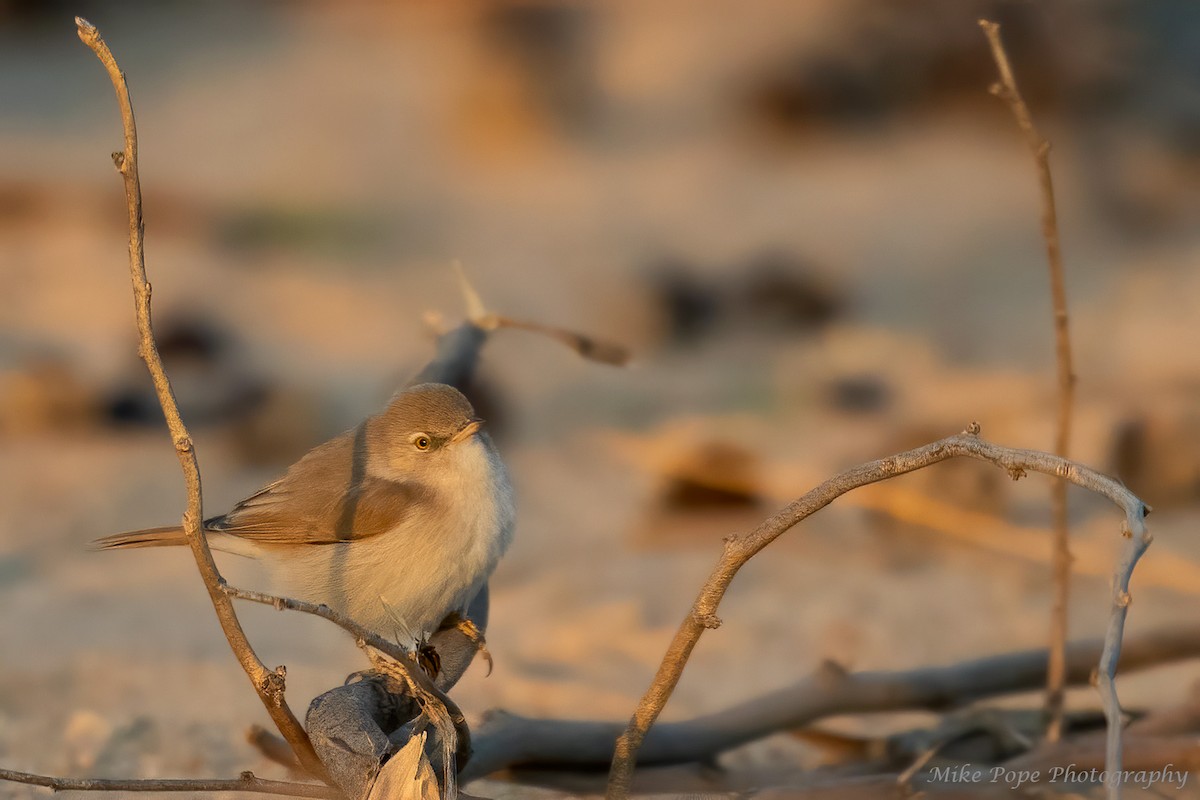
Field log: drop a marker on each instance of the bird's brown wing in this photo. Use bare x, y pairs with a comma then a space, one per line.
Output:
324, 498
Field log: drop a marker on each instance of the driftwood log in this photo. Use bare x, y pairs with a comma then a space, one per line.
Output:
374, 719
358, 726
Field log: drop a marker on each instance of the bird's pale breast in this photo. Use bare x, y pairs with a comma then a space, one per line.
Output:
404, 582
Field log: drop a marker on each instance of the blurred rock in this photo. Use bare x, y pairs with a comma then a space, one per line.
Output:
21, 202
1150, 182
84, 736
1143, 131
714, 474
549, 45
129, 749
284, 424
41, 14
210, 385
705, 482
782, 291
533, 79
45, 394
859, 394
772, 290
689, 305
895, 58
1157, 455
707, 490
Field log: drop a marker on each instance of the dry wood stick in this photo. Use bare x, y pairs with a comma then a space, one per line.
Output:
585, 346
1006, 89
421, 687
740, 549
508, 740
248, 782
269, 684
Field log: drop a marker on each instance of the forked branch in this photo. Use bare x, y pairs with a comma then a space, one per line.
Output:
431, 698
740, 549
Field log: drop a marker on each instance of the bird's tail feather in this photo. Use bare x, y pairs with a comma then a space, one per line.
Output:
170, 536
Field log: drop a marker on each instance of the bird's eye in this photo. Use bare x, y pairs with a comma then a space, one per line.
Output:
422, 443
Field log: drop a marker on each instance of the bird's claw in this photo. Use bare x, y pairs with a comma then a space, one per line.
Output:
429, 661
470, 630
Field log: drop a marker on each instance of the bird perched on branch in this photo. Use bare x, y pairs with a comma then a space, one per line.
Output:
396, 524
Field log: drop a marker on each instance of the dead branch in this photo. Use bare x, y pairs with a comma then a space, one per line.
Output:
588, 347
269, 684
435, 702
454, 360
340, 725
508, 740
1006, 89
740, 549
273, 748
585, 346
248, 782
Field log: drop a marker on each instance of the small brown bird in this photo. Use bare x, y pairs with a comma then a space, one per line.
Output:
396, 524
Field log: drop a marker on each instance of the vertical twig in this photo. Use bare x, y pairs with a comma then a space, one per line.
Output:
268, 683
1006, 89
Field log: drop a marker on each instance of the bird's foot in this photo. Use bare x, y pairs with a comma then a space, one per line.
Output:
470, 630
429, 660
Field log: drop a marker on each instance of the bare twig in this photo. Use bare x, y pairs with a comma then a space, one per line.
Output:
248, 782
1006, 89
268, 683
507, 740
585, 346
435, 702
904, 779
740, 549
588, 347
272, 748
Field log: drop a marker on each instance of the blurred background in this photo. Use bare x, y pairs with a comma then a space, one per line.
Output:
813, 226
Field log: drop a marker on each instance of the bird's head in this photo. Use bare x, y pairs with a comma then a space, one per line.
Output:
423, 429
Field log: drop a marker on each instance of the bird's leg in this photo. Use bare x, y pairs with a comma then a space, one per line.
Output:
470, 630
429, 660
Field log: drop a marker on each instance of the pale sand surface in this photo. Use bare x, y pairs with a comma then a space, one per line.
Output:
113, 665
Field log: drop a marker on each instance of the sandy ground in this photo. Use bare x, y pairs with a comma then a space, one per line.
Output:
380, 145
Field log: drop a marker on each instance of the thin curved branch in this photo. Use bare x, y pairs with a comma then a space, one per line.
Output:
740, 549
1006, 89
423, 689
589, 347
248, 782
269, 684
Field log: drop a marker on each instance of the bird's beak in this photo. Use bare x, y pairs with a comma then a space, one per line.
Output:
467, 431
